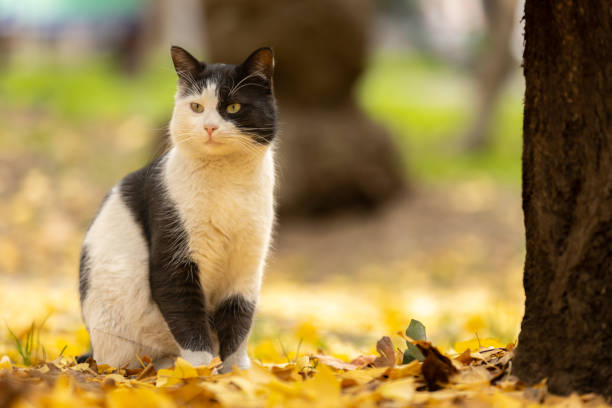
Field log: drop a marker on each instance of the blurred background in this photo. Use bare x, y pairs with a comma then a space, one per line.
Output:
399, 159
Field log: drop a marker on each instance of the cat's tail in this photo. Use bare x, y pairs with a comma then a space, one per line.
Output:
84, 357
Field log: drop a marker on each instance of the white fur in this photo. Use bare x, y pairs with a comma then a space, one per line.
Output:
122, 320
197, 358
224, 196
238, 359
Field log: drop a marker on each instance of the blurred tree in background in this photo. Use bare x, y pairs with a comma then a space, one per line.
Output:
332, 155
493, 65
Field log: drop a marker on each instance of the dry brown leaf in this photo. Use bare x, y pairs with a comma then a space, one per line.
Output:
334, 362
437, 368
465, 357
363, 361
384, 346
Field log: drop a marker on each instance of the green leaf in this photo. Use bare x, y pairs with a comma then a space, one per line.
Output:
412, 353
416, 330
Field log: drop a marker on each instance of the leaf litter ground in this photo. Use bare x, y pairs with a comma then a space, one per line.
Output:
315, 372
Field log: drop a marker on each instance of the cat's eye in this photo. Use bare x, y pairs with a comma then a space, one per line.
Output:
196, 107
233, 108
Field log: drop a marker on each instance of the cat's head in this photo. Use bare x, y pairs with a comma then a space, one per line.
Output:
222, 108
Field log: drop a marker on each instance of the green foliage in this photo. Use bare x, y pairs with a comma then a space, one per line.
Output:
412, 353
90, 90
416, 330
428, 107
29, 348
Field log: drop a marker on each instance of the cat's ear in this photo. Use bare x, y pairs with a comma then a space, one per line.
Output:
184, 62
260, 62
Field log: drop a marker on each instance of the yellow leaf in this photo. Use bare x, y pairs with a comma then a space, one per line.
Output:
5, 363
400, 390
407, 370
303, 363
477, 344
474, 324
205, 371
307, 332
137, 397
324, 387
360, 377
118, 379
183, 369
62, 395
501, 400
80, 367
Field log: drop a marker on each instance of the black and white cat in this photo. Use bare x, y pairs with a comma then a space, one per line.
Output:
172, 264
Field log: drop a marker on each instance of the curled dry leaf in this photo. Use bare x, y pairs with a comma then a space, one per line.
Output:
384, 346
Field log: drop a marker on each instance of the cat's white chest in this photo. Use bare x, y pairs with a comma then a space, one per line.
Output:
228, 219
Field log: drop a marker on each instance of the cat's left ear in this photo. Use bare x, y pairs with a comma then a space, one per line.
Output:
260, 62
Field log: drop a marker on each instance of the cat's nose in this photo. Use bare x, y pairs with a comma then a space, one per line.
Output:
210, 129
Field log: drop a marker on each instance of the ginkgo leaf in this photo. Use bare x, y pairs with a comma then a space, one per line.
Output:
401, 390
416, 330
412, 353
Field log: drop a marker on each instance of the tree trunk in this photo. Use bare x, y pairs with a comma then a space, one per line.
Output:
567, 196
331, 155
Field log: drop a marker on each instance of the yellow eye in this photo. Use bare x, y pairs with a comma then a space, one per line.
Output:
196, 107
233, 108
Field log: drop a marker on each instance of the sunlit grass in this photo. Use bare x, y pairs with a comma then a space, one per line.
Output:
90, 90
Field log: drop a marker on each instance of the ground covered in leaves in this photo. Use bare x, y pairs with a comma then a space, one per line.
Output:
322, 350
479, 378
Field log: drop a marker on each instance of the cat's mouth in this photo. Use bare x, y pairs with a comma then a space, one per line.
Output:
212, 141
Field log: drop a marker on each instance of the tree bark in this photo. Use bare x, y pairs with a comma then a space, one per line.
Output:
567, 196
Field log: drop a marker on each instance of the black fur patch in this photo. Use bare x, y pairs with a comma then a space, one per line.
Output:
173, 276
232, 320
248, 84
83, 274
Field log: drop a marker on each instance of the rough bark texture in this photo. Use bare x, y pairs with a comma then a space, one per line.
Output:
331, 154
567, 196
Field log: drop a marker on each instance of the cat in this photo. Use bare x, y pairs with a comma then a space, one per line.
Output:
172, 264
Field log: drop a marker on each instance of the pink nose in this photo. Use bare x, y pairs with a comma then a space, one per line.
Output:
210, 129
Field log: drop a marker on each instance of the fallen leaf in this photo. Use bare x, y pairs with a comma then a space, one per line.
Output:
384, 346
416, 330
402, 390
335, 362
477, 344
436, 368
363, 361
405, 370
465, 357
411, 353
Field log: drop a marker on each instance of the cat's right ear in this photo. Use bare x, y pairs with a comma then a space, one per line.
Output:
185, 64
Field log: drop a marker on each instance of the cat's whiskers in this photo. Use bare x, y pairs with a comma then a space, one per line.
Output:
247, 84
256, 73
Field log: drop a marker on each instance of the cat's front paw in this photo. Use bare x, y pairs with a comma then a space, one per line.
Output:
197, 358
242, 361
